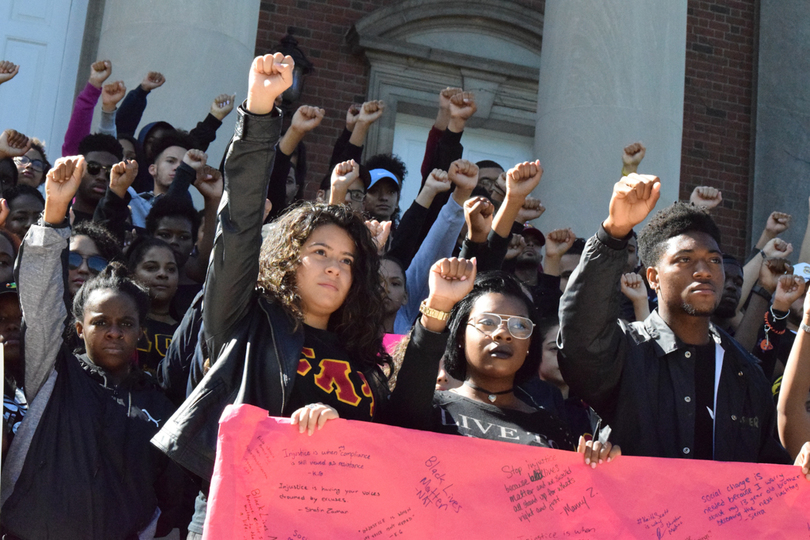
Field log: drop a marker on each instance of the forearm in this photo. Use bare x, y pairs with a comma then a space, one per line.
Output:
205, 132
112, 212
80, 119
184, 176
358, 137
277, 189
107, 124
766, 237
750, 276
804, 252
196, 267
751, 322
507, 213
289, 142
431, 147
131, 110
792, 416
41, 285
641, 309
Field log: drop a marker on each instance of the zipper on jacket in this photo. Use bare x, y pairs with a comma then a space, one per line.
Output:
278, 360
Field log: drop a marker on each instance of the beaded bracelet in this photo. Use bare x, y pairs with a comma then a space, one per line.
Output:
765, 344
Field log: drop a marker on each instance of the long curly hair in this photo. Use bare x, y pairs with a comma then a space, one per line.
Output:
358, 321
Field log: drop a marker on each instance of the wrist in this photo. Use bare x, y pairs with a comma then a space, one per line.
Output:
461, 195
439, 303
780, 305
614, 230
456, 125
54, 213
477, 237
95, 83
629, 169
108, 108
121, 191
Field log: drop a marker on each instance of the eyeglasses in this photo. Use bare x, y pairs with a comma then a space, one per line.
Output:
357, 195
488, 323
36, 164
93, 167
94, 263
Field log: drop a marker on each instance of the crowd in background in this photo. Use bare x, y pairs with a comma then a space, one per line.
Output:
130, 319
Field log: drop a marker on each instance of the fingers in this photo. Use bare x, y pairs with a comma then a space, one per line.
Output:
313, 416
479, 205
195, 158
634, 148
454, 269
595, 452
523, 178
561, 236
779, 266
101, 65
449, 92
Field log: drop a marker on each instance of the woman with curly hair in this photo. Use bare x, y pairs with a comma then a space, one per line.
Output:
293, 325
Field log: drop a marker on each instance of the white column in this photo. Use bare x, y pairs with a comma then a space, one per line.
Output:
204, 48
611, 73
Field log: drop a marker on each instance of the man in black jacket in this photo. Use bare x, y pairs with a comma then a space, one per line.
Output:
673, 385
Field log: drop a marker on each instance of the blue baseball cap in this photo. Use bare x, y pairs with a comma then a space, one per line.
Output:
382, 174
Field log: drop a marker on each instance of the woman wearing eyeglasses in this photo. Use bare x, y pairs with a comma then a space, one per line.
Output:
491, 345
33, 166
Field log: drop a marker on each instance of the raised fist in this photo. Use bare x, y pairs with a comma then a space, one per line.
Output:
222, 106
776, 248
307, 118
111, 95
152, 80
532, 209
8, 70
634, 197
478, 213
558, 242
770, 272
13, 144
351, 115
523, 178
778, 222
209, 183
516, 246
449, 281
122, 175
464, 174
270, 76
789, 288
633, 288
370, 112
631, 157
343, 175
99, 72
462, 105
706, 197
446, 95
61, 184
438, 181
379, 232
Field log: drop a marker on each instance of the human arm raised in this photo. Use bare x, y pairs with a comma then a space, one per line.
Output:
370, 112
13, 144
208, 182
633, 287
520, 181
792, 416
131, 109
8, 70
81, 117
558, 242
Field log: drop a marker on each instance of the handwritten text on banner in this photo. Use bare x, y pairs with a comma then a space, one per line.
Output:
356, 480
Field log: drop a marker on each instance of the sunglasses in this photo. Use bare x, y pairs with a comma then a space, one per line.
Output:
36, 164
488, 324
94, 168
94, 263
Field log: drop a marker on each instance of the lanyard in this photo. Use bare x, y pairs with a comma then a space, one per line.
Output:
718, 369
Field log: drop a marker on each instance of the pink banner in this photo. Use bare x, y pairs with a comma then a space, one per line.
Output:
356, 480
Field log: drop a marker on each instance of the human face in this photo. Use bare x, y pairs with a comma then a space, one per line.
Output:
129, 149
632, 255
534, 251
157, 270
394, 282
445, 381
324, 274
94, 186
164, 167
382, 199
6, 260
31, 171
487, 177
176, 231
568, 264
356, 195
110, 330
291, 187
10, 321
549, 367
24, 212
84, 246
689, 276
499, 355
732, 290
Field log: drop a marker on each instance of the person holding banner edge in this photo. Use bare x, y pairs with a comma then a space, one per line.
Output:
673, 385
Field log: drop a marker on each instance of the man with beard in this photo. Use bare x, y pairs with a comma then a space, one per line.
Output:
725, 316
674, 385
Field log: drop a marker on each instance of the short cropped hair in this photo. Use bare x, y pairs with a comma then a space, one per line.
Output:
670, 222
100, 142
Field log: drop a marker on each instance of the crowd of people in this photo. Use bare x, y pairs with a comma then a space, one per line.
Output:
130, 320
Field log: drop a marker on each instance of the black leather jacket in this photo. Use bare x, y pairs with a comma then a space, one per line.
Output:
640, 377
255, 344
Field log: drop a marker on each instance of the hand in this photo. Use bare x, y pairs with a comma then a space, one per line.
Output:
777, 249
633, 198
270, 76
8, 70
312, 416
99, 72
449, 281
464, 174
803, 460
61, 184
596, 452
438, 181
122, 175
478, 213
789, 288
631, 157
633, 288
516, 246
307, 118
445, 96
706, 197
195, 159
771, 270
152, 80
558, 242
268, 206
379, 232
522, 179
209, 183
778, 222
532, 209
462, 105
351, 115
370, 112
343, 175
111, 95
4, 212
222, 106
13, 144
